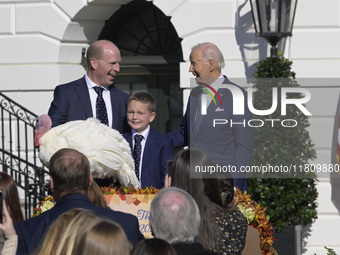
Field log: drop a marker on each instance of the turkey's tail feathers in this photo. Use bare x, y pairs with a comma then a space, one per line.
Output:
128, 178
107, 150
114, 164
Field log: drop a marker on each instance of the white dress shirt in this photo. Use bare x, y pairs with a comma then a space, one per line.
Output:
93, 97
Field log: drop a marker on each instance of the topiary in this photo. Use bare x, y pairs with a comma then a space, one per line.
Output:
290, 198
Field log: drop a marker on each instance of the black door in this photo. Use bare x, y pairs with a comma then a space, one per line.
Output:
163, 83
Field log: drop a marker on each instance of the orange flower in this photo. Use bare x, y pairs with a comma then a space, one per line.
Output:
260, 221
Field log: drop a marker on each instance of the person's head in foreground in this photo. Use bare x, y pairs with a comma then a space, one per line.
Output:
174, 216
153, 246
61, 236
70, 173
103, 237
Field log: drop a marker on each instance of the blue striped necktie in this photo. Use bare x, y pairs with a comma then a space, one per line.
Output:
101, 112
137, 151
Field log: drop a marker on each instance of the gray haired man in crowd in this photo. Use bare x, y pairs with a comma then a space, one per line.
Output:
175, 217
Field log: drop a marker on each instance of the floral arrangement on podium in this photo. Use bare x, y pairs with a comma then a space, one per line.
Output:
122, 190
128, 194
257, 218
108, 193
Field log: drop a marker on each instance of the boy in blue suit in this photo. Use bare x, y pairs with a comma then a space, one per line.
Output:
154, 149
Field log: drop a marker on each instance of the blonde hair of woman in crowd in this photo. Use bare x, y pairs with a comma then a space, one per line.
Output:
64, 232
103, 237
95, 195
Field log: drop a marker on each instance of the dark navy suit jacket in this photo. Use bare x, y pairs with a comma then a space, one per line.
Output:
158, 150
31, 232
71, 101
191, 249
226, 144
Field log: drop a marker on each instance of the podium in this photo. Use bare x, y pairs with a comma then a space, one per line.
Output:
136, 204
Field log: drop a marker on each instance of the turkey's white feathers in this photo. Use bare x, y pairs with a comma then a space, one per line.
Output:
107, 150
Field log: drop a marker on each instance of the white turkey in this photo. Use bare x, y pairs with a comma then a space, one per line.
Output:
107, 150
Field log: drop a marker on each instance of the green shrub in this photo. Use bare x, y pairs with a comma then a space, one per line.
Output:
289, 201
330, 251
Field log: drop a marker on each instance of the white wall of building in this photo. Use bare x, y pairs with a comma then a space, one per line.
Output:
41, 43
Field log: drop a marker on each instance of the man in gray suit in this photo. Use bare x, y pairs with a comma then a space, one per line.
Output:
210, 123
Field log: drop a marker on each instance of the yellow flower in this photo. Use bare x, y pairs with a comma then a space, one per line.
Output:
47, 205
247, 212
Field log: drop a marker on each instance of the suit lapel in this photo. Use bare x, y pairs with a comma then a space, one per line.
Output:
114, 104
195, 107
84, 97
208, 119
148, 148
128, 138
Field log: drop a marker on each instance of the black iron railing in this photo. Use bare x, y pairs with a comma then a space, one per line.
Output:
18, 155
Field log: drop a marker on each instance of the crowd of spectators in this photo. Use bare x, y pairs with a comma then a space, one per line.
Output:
187, 216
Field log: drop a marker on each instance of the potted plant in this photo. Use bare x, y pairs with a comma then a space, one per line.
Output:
290, 198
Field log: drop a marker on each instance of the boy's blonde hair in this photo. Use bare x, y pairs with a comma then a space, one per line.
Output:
103, 237
145, 98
